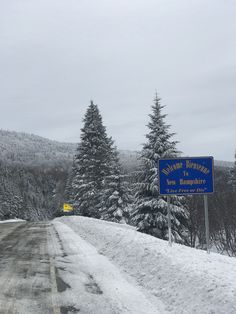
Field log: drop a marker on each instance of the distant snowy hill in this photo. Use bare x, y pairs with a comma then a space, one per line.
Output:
33, 171
129, 159
16, 147
224, 164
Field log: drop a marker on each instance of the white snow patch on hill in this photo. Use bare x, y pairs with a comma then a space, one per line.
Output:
11, 220
185, 280
18, 147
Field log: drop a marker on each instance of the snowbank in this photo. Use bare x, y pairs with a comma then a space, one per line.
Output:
186, 280
93, 284
11, 220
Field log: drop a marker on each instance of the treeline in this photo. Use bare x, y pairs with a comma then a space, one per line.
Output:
98, 187
222, 214
31, 192
33, 172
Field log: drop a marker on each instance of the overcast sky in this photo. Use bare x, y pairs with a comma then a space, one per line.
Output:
56, 55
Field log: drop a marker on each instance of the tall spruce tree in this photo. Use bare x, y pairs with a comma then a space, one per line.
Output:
150, 209
117, 198
91, 164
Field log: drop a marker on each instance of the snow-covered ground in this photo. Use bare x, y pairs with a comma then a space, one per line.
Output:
112, 268
11, 220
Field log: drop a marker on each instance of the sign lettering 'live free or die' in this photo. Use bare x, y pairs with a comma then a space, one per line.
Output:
190, 175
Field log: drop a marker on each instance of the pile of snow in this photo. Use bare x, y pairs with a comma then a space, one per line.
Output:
11, 220
183, 279
89, 283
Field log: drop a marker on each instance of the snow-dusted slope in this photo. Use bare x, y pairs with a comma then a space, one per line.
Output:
17, 147
224, 164
129, 159
33, 149
174, 279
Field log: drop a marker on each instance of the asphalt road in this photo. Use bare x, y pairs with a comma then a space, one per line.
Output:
28, 279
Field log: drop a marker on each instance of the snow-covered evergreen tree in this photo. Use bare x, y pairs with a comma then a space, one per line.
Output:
150, 209
116, 198
91, 164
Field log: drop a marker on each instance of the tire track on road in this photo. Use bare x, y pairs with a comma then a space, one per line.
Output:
25, 271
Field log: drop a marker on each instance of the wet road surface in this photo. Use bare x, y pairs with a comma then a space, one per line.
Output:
27, 275
47, 268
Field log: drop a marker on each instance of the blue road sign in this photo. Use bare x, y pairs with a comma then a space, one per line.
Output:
190, 175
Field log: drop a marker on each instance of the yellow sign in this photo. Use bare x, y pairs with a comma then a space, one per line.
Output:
67, 207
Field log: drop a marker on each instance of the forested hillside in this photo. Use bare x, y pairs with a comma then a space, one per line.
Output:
31, 192
33, 150
33, 175
23, 148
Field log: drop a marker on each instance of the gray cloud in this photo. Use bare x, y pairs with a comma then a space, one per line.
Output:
57, 55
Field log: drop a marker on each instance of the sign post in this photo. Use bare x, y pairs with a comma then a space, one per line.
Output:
186, 176
206, 222
169, 220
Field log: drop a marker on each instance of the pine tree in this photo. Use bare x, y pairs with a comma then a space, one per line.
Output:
116, 196
150, 209
91, 164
